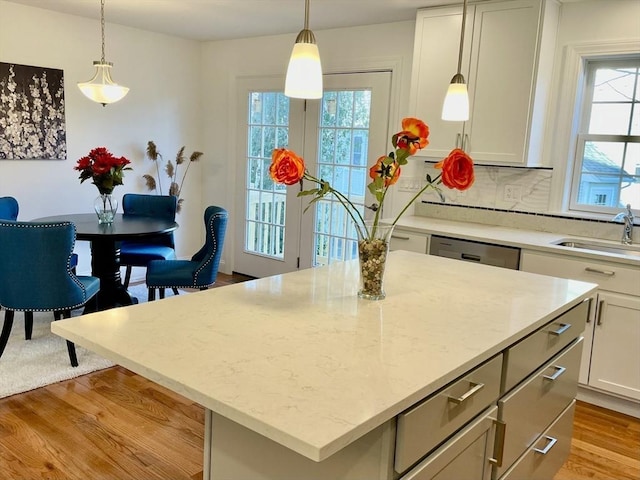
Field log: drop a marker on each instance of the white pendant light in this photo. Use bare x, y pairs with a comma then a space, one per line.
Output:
304, 74
101, 88
456, 102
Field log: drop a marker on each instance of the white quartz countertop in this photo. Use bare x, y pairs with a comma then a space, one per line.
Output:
514, 237
300, 359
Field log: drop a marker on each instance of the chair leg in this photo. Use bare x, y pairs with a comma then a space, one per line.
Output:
127, 276
71, 348
161, 293
152, 294
175, 291
28, 325
6, 329
204, 288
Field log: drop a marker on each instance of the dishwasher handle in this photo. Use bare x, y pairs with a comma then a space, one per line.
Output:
471, 257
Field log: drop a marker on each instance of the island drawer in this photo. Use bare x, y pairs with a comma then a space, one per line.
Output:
531, 352
424, 426
532, 406
548, 453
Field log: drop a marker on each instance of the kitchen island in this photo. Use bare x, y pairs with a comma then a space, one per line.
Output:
302, 379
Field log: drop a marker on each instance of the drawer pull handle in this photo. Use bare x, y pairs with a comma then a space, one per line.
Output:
608, 273
470, 257
397, 237
559, 371
563, 328
551, 442
498, 446
475, 388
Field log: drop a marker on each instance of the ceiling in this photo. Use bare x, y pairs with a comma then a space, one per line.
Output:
228, 19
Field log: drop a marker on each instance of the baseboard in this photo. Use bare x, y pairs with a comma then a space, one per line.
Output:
611, 402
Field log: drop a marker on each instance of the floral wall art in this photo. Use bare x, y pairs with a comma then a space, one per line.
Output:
32, 119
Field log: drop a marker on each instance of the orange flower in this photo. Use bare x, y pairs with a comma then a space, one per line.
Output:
390, 173
286, 167
413, 136
457, 170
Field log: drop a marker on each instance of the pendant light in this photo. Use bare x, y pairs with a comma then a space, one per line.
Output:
101, 88
304, 74
456, 103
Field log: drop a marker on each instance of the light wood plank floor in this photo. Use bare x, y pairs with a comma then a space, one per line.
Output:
114, 424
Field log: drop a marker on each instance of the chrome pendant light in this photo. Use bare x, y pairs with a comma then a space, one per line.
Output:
101, 88
456, 102
304, 74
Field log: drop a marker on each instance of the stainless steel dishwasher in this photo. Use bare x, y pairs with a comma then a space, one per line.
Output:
475, 252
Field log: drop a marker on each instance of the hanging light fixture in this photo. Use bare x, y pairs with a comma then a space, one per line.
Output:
456, 102
304, 74
101, 88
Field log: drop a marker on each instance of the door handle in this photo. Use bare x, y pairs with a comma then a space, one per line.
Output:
373, 206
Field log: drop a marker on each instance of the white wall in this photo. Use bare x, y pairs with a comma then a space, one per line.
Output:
163, 74
341, 50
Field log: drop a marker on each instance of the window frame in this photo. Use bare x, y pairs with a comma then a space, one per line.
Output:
582, 113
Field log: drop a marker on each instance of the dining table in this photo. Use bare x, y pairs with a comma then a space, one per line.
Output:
105, 241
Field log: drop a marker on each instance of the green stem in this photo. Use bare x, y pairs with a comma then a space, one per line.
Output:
415, 197
158, 170
348, 206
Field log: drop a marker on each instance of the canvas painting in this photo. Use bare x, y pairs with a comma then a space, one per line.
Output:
32, 124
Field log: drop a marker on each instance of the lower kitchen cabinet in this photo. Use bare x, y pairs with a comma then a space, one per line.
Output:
611, 357
411, 241
465, 456
548, 453
615, 353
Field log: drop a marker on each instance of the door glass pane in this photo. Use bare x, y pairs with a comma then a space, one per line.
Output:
268, 123
343, 138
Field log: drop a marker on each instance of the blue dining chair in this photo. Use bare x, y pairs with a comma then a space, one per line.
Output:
36, 275
138, 253
199, 272
9, 209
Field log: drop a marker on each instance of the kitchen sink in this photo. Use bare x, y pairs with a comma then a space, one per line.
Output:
620, 249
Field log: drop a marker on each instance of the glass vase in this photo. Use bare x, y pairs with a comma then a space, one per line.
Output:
373, 247
105, 206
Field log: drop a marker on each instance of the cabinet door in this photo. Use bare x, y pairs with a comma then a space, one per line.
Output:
466, 455
501, 80
615, 356
435, 61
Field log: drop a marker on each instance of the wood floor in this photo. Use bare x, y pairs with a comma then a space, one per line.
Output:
114, 424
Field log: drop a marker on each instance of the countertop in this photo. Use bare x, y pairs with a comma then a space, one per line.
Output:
525, 239
300, 359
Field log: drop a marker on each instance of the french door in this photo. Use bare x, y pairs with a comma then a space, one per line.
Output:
339, 137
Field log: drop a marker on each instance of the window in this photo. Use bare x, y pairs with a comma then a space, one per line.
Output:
607, 159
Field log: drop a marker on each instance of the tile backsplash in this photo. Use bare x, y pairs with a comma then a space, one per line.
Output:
521, 189
516, 198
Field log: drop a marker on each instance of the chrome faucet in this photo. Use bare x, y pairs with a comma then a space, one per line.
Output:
627, 218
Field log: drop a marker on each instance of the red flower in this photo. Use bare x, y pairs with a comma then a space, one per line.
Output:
413, 136
103, 168
389, 172
457, 170
286, 167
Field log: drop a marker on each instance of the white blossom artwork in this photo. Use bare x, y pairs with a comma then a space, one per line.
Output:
32, 124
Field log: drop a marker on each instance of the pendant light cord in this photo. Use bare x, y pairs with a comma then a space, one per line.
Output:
102, 27
464, 21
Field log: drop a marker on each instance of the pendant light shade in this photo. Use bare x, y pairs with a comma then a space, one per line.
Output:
456, 102
304, 73
101, 88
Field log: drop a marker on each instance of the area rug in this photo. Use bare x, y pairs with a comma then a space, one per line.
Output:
29, 364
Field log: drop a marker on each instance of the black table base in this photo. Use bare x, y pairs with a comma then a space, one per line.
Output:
105, 264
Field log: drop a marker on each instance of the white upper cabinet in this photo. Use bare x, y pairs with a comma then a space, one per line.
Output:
507, 62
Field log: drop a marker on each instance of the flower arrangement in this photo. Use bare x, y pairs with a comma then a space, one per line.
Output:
171, 170
456, 173
103, 168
